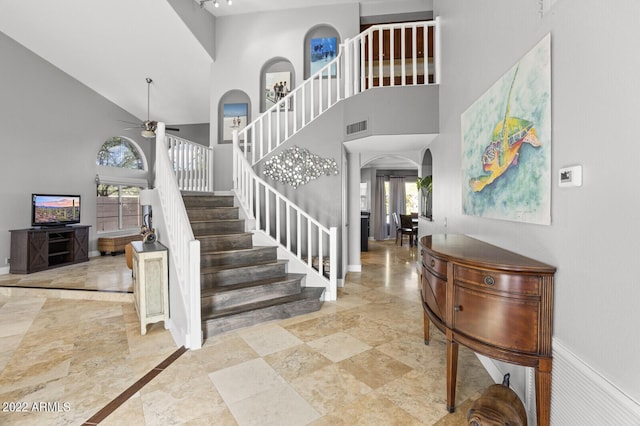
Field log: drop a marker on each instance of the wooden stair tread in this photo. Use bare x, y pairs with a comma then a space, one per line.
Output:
243, 284
215, 220
212, 269
238, 251
307, 293
285, 278
235, 234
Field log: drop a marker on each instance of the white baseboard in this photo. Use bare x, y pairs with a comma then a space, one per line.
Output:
4, 270
354, 268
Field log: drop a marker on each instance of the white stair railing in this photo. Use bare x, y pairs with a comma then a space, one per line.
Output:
184, 249
192, 164
360, 65
287, 224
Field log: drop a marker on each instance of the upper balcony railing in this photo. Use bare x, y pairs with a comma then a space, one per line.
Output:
404, 54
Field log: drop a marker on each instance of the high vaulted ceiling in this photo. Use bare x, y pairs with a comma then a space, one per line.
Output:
113, 46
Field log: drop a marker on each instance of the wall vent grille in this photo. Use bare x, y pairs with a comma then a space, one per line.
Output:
581, 396
358, 127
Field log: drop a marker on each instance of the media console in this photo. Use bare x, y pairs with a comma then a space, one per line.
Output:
493, 301
38, 249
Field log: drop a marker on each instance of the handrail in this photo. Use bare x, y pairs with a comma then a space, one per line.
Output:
282, 220
192, 164
353, 71
184, 249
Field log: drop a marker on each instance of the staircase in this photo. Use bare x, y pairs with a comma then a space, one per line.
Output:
241, 285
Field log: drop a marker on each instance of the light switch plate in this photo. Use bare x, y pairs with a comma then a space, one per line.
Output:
570, 176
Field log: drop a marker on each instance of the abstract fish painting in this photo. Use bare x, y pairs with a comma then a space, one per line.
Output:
506, 144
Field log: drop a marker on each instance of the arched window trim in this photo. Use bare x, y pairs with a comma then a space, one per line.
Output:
135, 147
118, 178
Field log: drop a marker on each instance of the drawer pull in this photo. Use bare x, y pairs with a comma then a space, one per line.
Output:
489, 280
432, 263
457, 308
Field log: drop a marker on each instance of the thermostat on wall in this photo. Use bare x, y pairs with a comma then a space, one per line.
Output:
570, 176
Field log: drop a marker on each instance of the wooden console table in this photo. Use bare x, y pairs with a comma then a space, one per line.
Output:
493, 301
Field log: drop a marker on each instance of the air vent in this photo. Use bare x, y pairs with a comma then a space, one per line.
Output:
360, 126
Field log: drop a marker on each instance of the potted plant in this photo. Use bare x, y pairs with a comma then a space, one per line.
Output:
425, 186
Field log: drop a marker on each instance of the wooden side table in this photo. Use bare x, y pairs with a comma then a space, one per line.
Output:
150, 283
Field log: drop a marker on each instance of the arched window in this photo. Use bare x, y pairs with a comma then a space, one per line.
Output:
122, 174
119, 152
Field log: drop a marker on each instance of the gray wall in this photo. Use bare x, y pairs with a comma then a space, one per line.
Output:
200, 22
192, 132
594, 234
52, 127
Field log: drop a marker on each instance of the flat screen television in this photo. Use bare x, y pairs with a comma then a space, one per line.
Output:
54, 209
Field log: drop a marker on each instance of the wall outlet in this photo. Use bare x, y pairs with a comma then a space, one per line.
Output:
7, 260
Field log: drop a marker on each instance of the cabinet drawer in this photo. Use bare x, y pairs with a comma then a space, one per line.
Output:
505, 322
498, 281
434, 293
435, 264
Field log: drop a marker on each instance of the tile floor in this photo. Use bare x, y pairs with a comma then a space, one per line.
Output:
358, 361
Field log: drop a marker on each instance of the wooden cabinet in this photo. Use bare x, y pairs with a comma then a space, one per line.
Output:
150, 283
38, 249
496, 302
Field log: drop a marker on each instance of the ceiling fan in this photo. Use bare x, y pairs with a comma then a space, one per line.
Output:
149, 126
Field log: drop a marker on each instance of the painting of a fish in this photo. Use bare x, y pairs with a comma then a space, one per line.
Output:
506, 144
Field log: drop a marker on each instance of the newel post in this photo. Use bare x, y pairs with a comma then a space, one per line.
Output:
348, 69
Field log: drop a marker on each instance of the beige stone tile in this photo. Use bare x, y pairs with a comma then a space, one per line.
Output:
278, 406
373, 333
421, 395
374, 368
411, 350
338, 346
129, 413
245, 380
315, 328
85, 352
269, 338
297, 361
224, 353
370, 410
329, 388
181, 393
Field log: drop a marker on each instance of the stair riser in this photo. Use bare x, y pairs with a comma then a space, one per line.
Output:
215, 213
218, 228
226, 242
241, 275
245, 319
253, 256
208, 201
229, 299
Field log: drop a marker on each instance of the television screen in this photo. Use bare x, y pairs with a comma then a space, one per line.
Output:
51, 210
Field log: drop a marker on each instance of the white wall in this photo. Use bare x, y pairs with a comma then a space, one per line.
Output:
594, 236
244, 43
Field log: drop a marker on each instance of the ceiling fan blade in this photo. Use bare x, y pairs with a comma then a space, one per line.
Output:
129, 122
173, 129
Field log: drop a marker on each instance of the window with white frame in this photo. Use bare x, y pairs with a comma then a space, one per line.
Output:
118, 186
